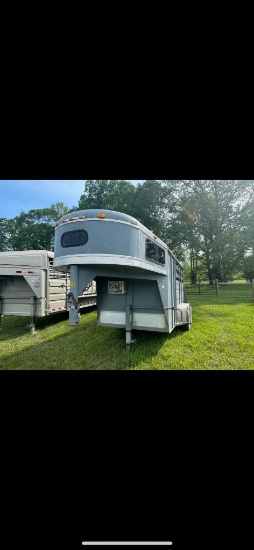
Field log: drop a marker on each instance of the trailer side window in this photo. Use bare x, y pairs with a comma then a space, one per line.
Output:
154, 253
74, 238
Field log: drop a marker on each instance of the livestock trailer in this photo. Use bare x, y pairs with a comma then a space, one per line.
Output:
139, 280
30, 286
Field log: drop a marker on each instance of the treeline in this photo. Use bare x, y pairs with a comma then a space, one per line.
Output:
33, 230
209, 224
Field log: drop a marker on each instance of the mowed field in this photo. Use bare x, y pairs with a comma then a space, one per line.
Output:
221, 338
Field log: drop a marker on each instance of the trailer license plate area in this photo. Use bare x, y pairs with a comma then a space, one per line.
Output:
117, 287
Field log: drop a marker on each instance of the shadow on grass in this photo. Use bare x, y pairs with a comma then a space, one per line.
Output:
15, 326
89, 347
148, 345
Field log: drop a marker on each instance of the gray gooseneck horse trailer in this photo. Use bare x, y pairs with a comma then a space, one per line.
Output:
139, 280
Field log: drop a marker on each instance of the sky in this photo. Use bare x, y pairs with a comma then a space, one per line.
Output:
18, 195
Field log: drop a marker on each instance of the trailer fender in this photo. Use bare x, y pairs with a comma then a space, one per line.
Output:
184, 314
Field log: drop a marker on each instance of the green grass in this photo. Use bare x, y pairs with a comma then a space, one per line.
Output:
221, 337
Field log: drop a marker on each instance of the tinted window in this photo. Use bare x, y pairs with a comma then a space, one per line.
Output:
74, 238
154, 253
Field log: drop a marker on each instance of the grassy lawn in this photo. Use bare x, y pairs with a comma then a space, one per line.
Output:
221, 337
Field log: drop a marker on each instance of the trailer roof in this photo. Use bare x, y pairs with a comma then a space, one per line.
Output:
26, 252
28, 258
93, 213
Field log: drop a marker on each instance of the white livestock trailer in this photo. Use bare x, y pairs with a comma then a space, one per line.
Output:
31, 287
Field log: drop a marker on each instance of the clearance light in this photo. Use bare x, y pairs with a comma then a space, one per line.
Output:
70, 219
63, 221
155, 237
101, 216
81, 217
56, 224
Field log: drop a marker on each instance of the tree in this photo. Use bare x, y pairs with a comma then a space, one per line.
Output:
5, 233
35, 230
216, 210
108, 194
149, 206
248, 267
